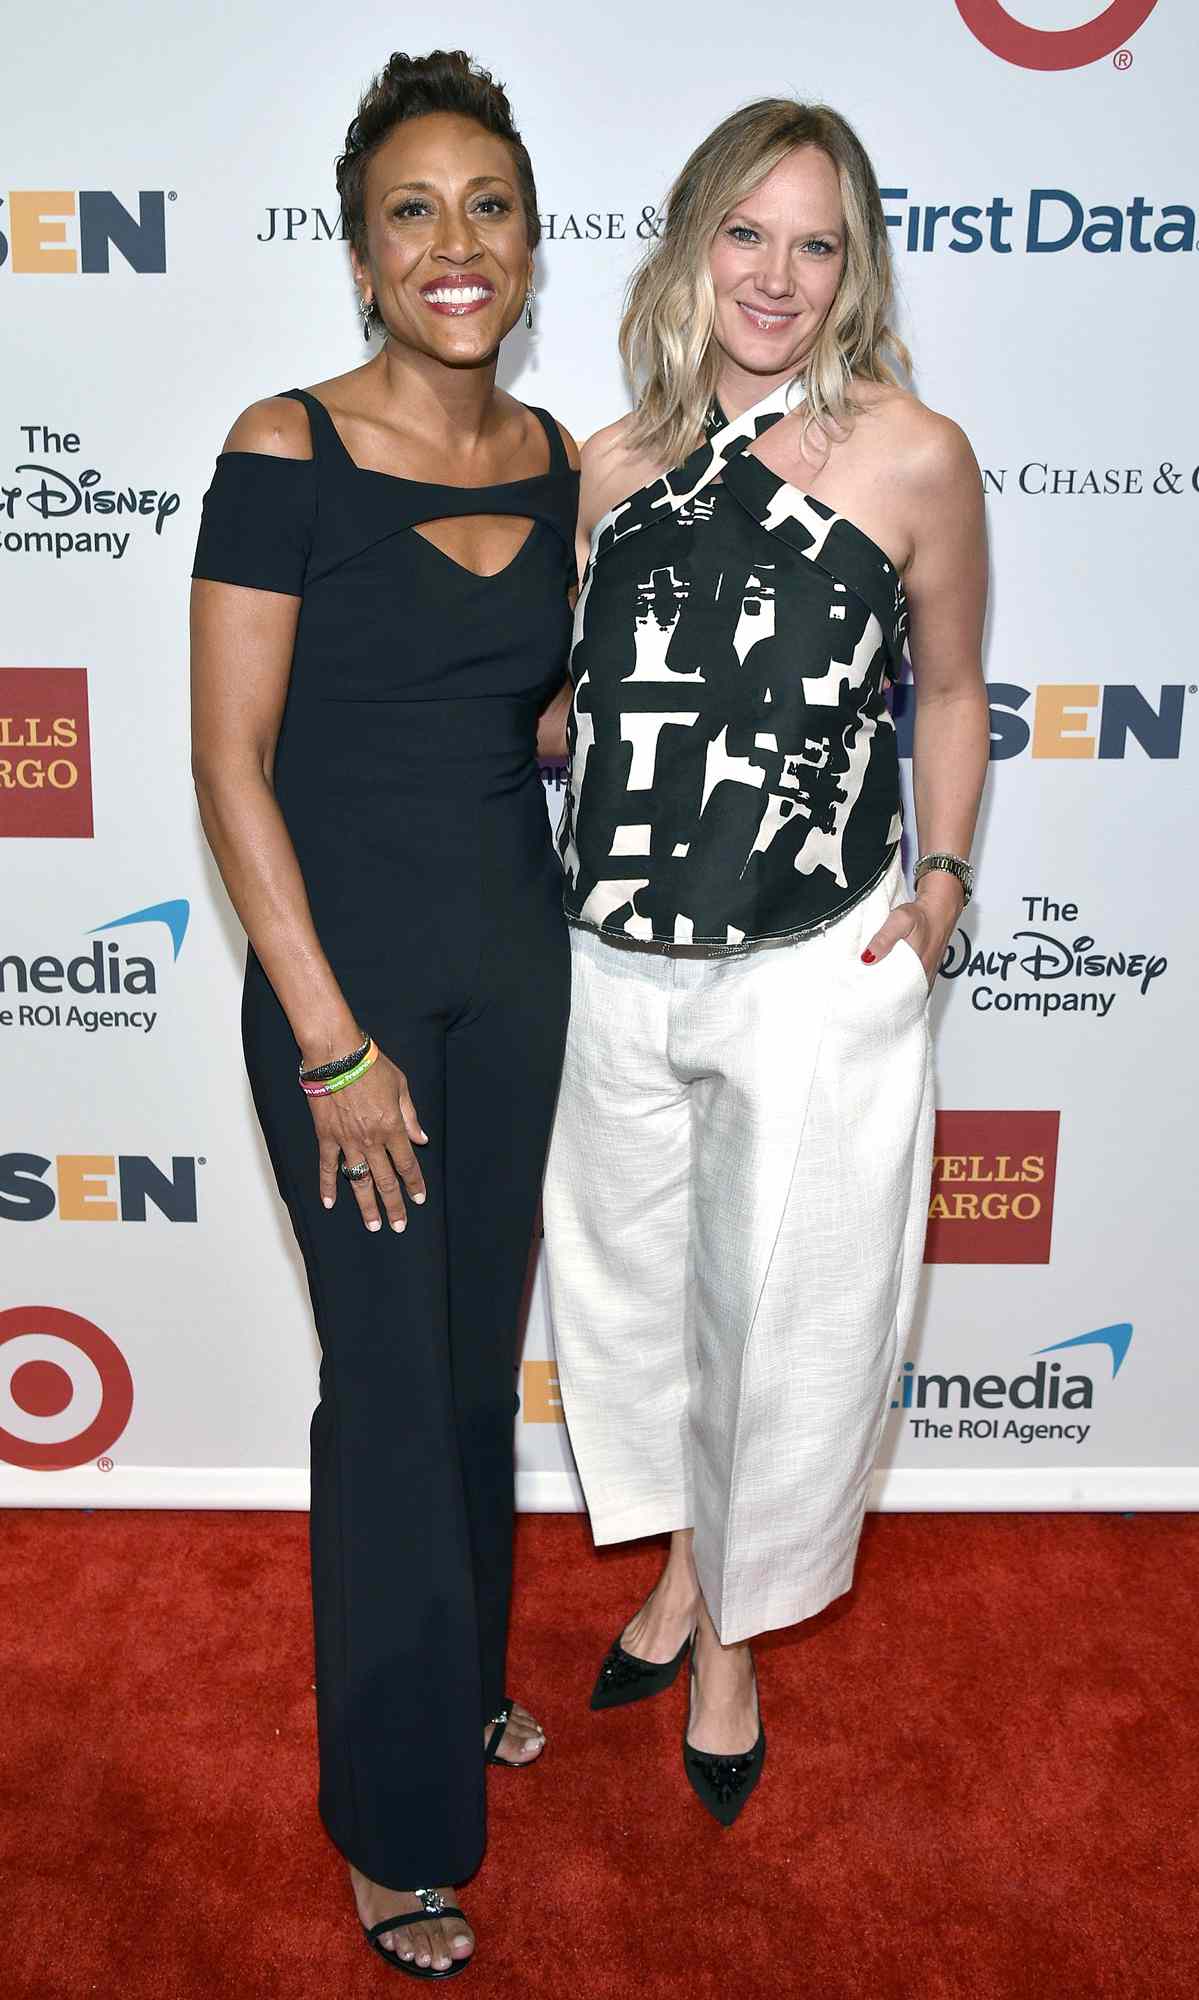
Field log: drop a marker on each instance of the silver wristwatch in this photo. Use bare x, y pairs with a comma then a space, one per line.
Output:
951, 864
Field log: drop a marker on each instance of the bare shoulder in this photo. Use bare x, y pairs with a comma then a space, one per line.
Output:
277, 427
607, 447
612, 469
932, 452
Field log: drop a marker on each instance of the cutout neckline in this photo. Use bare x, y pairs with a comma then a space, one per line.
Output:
480, 575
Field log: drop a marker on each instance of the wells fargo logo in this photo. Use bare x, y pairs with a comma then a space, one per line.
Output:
994, 1174
66, 1393
53, 230
45, 753
1054, 48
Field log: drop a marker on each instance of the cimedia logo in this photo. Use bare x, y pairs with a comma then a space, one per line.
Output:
48, 231
1049, 1400
1054, 48
66, 1393
37, 991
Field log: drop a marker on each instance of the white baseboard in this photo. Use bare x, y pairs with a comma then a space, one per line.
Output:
901, 1490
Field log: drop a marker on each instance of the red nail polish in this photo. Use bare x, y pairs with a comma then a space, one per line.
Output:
868, 958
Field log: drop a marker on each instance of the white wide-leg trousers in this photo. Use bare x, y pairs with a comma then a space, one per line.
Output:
735, 1208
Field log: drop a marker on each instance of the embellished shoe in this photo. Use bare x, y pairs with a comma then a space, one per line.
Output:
497, 1726
432, 1907
723, 1784
624, 1678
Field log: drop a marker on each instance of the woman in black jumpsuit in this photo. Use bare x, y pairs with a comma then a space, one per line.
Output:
405, 773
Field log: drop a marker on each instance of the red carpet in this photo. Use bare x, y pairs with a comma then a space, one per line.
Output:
981, 1779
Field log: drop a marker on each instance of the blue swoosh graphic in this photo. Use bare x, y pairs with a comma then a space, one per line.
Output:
173, 915
1116, 1337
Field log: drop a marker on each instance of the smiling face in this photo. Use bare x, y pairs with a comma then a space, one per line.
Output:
447, 258
776, 263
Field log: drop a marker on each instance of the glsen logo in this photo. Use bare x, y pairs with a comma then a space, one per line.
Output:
1045, 1386
994, 1174
45, 754
1029, 973
1069, 720
55, 230
97, 1187
105, 969
66, 1393
1054, 48
542, 1399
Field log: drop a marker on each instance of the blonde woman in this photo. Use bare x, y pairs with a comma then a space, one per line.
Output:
739, 1172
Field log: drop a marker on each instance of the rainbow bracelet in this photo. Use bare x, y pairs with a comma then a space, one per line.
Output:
347, 1077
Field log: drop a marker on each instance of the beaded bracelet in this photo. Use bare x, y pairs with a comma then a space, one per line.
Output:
320, 1072
348, 1076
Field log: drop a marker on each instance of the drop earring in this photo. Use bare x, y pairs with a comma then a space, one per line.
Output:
530, 295
366, 307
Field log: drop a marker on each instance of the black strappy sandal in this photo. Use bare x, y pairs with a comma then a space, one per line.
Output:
497, 1726
624, 1678
432, 1908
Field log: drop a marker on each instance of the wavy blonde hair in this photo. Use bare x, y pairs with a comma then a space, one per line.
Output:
667, 334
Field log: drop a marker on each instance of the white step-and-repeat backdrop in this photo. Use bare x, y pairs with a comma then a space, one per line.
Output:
168, 253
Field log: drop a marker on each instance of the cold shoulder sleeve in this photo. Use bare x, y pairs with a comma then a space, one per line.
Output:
257, 523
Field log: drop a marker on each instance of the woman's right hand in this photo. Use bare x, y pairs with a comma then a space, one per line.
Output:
374, 1120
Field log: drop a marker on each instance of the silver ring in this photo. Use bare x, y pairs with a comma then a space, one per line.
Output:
356, 1173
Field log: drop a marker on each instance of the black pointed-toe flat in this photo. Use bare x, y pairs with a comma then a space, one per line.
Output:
624, 1678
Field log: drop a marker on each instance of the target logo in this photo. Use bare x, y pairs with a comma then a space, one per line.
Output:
1054, 48
66, 1393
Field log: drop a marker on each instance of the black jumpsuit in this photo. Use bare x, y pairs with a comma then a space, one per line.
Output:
406, 773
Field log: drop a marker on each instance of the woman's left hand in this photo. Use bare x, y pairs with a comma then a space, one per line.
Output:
927, 924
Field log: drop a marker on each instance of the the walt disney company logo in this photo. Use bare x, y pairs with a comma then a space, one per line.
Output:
1044, 971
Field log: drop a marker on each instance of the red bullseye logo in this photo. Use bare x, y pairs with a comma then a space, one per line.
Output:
66, 1393
1054, 48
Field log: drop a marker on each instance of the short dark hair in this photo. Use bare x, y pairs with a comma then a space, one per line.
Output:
412, 87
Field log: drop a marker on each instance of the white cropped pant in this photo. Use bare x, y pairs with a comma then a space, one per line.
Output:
735, 1208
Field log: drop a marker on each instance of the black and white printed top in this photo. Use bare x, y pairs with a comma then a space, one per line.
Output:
733, 766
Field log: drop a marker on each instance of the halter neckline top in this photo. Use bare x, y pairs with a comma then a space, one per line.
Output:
734, 776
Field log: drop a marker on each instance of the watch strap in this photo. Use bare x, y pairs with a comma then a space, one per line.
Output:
949, 864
